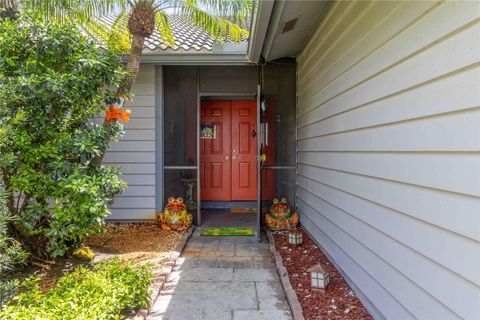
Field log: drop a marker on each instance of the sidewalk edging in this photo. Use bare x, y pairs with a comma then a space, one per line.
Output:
160, 280
292, 298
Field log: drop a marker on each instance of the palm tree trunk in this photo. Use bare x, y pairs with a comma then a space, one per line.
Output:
8, 9
133, 63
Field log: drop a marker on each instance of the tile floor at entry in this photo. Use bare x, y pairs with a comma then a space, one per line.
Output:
224, 218
219, 278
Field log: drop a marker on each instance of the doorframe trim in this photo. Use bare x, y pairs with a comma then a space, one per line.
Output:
254, 96
159, 141
259, 163
199, 183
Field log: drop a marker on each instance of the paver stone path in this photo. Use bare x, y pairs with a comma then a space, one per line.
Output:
229, 278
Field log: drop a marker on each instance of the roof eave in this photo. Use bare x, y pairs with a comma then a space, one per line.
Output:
196, 59
259, 29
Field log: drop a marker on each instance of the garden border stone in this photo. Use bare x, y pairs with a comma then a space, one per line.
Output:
285, 280
159, 281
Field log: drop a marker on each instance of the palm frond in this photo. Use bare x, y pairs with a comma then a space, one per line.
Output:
236, 11
80, 10
119, 37
218, 27
114, 36
97, 30
164, 29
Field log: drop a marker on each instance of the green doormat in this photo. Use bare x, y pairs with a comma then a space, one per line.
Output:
228, 232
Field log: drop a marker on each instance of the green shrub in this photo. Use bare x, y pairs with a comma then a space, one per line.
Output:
11, 253
107, 291
53, 82
8, 289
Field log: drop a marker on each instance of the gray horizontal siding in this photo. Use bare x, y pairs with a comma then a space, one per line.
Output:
135, 153
389, 153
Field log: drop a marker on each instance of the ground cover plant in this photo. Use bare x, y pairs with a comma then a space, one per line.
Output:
108, 290
136, 243
53, 83
12, 255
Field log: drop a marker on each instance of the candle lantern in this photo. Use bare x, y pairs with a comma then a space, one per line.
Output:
295, 236
319, 277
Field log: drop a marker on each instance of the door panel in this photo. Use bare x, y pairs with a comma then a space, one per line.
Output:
216, 174
244, 174
244, 152
217, 144
215, 163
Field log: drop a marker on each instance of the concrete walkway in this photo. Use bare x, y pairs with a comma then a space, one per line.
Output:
229, 278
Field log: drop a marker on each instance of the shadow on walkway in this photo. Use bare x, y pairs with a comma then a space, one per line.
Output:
223, 278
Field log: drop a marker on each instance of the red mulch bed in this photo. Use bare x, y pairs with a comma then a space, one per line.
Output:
338, 302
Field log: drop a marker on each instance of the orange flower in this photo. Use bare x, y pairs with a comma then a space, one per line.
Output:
116, 113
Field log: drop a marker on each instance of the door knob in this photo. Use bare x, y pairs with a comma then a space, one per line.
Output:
233, 157
226, 157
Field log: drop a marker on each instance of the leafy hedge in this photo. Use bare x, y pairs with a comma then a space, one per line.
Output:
106, 291
53, 82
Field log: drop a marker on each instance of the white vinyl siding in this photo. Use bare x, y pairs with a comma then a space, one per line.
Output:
135, 153
389, 153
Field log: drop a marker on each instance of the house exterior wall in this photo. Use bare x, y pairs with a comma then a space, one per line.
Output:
135, 153
388, 153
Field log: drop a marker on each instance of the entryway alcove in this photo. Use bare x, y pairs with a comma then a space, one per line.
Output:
246, 115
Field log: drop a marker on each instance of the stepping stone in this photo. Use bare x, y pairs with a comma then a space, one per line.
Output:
255, 274
271, 296
261, 315
203, 274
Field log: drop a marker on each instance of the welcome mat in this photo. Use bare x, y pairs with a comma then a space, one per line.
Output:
243, 210
247, 232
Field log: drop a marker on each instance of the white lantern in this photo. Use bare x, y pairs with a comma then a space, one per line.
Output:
319, 277
295, 236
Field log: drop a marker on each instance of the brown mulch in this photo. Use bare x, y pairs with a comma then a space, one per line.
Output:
338, 302
48, 271
137, 242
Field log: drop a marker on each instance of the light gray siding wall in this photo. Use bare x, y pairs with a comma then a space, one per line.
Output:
389, 153
135, 153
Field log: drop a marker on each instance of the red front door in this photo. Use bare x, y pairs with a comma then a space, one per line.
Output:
228, 163
215, 154
244, 150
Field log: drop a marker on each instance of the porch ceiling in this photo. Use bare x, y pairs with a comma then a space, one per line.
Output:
304, 15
